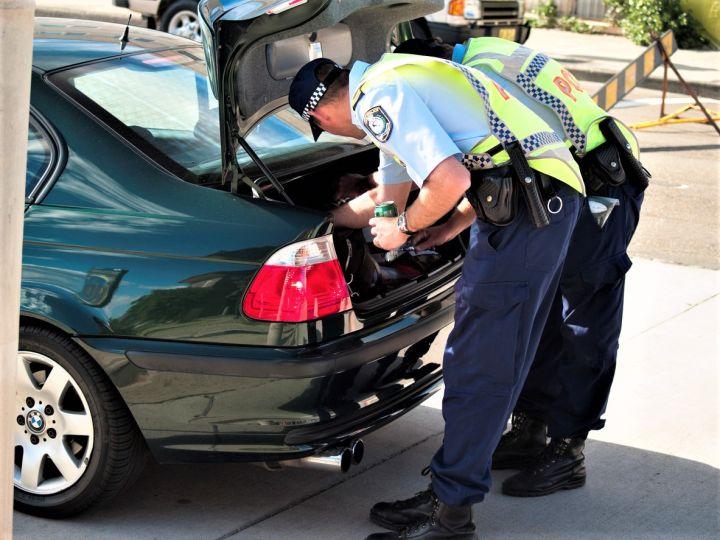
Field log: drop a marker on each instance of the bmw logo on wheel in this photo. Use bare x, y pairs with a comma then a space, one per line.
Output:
35, 421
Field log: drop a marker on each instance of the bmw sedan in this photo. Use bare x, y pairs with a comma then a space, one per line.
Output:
183, 291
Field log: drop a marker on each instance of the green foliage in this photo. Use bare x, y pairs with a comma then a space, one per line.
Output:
547, 15
643, 20
572, 24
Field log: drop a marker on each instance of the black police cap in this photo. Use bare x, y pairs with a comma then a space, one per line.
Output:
306, 89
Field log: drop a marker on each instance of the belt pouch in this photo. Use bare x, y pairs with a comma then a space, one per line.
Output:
493, 195
602, 166
636, 173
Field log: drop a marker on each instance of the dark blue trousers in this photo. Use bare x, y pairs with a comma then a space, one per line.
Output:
502, 301
569, 383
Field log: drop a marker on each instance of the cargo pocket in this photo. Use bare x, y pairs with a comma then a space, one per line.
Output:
486, 348
609, 270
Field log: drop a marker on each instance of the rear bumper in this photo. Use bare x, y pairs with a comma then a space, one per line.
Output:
196, 402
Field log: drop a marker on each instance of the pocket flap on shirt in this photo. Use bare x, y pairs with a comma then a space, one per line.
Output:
607, 271
499, 295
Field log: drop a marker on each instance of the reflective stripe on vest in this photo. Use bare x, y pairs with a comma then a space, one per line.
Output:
545, 81
509, 120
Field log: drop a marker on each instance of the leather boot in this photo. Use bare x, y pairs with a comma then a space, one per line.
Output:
560, 466
444, 523
399, 514
521, 446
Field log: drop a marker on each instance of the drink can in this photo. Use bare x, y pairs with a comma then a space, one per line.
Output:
386, 209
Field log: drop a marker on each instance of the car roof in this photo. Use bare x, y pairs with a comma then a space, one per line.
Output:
59, 43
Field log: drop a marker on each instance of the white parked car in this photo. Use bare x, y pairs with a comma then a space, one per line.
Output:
463, 19
177, 17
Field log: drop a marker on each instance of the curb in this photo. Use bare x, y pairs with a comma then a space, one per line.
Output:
703, 89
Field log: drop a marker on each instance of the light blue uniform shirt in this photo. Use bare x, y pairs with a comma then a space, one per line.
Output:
429, 122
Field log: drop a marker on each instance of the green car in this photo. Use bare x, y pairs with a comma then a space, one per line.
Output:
183, 291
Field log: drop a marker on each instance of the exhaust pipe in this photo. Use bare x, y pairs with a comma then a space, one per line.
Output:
358, 451
335, 459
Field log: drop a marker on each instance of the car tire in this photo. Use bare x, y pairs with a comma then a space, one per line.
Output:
172, 19
107, 460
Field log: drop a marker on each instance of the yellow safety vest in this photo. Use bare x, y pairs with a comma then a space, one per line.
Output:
508, 118
549, 83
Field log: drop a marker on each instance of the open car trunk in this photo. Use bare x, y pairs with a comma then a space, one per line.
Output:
253, 49
377, 280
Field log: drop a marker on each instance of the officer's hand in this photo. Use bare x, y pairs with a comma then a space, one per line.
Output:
432, 236
386, 233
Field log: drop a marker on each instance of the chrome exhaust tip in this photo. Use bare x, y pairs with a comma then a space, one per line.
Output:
358, 451
333, 460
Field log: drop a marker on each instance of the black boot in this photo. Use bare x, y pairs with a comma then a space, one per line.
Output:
560, 466
521, 446
444, 522
399, 514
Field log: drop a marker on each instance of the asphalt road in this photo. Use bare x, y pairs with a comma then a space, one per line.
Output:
680, 220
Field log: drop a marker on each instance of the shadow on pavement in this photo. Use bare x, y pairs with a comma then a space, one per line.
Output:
631, 493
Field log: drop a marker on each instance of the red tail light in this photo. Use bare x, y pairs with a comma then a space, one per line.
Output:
301, 282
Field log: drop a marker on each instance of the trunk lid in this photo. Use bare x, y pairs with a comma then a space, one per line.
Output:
254, 47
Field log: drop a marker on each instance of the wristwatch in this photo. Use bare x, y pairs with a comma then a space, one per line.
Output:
402, 224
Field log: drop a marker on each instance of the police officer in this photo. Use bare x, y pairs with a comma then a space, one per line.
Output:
433, 121
568, 386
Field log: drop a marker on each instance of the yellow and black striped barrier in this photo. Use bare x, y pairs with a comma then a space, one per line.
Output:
635, 72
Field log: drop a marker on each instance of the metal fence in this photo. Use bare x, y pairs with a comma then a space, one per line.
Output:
587, 9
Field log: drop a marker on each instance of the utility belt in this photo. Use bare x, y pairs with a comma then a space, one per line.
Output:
612, 163
496, 193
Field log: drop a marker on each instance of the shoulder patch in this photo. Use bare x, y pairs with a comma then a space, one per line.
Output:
378, 123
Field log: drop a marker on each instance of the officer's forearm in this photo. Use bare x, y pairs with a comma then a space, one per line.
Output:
462, 218
445, 186
356, 213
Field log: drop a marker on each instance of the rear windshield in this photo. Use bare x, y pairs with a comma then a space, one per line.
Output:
161, 102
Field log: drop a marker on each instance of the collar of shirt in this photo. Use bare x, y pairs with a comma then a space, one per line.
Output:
356, 72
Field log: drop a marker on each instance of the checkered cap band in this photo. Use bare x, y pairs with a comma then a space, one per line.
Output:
315, 98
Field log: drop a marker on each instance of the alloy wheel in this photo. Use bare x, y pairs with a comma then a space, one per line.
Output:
54, 427
185, 24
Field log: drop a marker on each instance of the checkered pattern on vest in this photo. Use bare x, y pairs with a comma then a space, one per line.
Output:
474, 162
315, 98
537, 140
526, 80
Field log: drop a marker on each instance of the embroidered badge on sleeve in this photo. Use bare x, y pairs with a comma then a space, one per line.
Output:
378, 123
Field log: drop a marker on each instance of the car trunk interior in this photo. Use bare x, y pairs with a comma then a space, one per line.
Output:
374, 278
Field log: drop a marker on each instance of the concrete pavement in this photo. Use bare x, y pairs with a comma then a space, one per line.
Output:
653, 471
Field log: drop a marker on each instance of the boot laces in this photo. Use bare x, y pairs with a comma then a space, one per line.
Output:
430, 520
552, 452
419, 497
519, 423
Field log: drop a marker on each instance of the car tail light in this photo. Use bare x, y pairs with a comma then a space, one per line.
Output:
300, 282
456, 7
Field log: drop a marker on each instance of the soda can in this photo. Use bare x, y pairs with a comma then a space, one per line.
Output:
386, 209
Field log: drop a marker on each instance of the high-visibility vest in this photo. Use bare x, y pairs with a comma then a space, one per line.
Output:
547, 82
509, 120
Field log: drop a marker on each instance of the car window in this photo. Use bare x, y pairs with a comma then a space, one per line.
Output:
39, 157
162, 102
